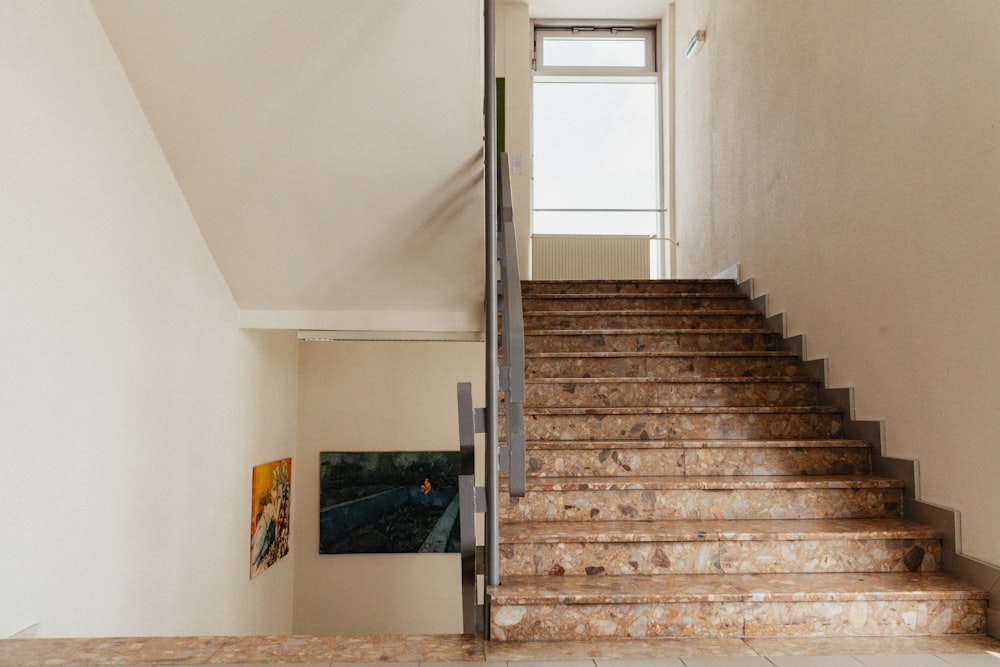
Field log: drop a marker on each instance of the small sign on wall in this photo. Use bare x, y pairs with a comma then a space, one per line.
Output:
270, 514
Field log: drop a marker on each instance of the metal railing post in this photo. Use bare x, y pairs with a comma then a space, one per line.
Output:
492, 379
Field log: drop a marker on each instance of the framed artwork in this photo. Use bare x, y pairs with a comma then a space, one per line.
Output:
388, 502
270, 511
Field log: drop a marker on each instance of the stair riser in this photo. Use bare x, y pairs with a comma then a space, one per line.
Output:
778, 461
660, 367
667, 394
675, 303
531, 287
733, 557
703, 504
763, 426
865, 618
651, 342
583, 320
737, 619
703, 461
591, 462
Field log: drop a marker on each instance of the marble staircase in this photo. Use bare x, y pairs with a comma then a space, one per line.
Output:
685, 481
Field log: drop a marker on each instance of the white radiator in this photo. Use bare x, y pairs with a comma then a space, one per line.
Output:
589, 257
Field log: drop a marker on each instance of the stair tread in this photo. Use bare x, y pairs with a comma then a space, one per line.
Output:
554, 532
653, 354
711, 482
687, 410
644, 330
660, 588
739, 379
583, 312
694, 444
737, 296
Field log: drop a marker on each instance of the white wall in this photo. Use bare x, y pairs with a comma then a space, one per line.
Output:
513, 47
132, 408
376, 396
847, 155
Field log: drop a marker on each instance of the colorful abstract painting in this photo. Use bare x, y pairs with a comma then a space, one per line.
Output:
388, 502
269, 514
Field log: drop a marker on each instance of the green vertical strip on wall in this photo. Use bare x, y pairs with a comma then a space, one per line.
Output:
501, 115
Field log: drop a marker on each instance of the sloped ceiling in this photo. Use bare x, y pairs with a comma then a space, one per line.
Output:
330, 151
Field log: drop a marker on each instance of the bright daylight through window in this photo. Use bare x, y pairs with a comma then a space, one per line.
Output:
596, 135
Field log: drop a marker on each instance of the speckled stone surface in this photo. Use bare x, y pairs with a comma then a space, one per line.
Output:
683, 481
579, 319
680, 423
590, 287
613, 460
636, 302
707, 547
676, 365
647, 340
697, 457
736, 605
638, 392
865, 618
373, 649
807, 459
844, 497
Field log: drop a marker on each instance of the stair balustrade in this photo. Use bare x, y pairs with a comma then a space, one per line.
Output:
504, 369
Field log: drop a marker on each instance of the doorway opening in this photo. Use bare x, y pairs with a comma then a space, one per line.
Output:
597, 201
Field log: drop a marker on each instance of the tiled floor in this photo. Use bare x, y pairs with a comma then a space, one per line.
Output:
452, 650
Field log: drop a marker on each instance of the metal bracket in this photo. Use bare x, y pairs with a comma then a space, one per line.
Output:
503, 459
470, 420
480, 559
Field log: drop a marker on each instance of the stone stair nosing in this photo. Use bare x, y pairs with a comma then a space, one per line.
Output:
734, 605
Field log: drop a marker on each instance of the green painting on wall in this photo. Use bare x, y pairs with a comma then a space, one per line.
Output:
388, 502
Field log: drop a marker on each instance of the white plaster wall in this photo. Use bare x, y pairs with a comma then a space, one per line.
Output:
376, 396
514, 46
847, 155
132, 408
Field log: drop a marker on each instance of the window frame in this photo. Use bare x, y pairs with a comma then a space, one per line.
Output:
595, 32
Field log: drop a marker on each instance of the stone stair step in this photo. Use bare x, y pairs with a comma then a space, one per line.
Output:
547, 458
734, 605
651, 391
533, 287
683, 481
557, 548
674, 365
649, 340
639, 319
690, 302
704, 498
675, 423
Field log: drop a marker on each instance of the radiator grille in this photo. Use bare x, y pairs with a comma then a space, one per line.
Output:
589, 257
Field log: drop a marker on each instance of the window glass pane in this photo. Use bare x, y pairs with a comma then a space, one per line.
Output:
595, 146
590, 52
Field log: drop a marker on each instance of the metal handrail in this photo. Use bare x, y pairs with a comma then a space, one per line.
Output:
512, 370
492, 342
